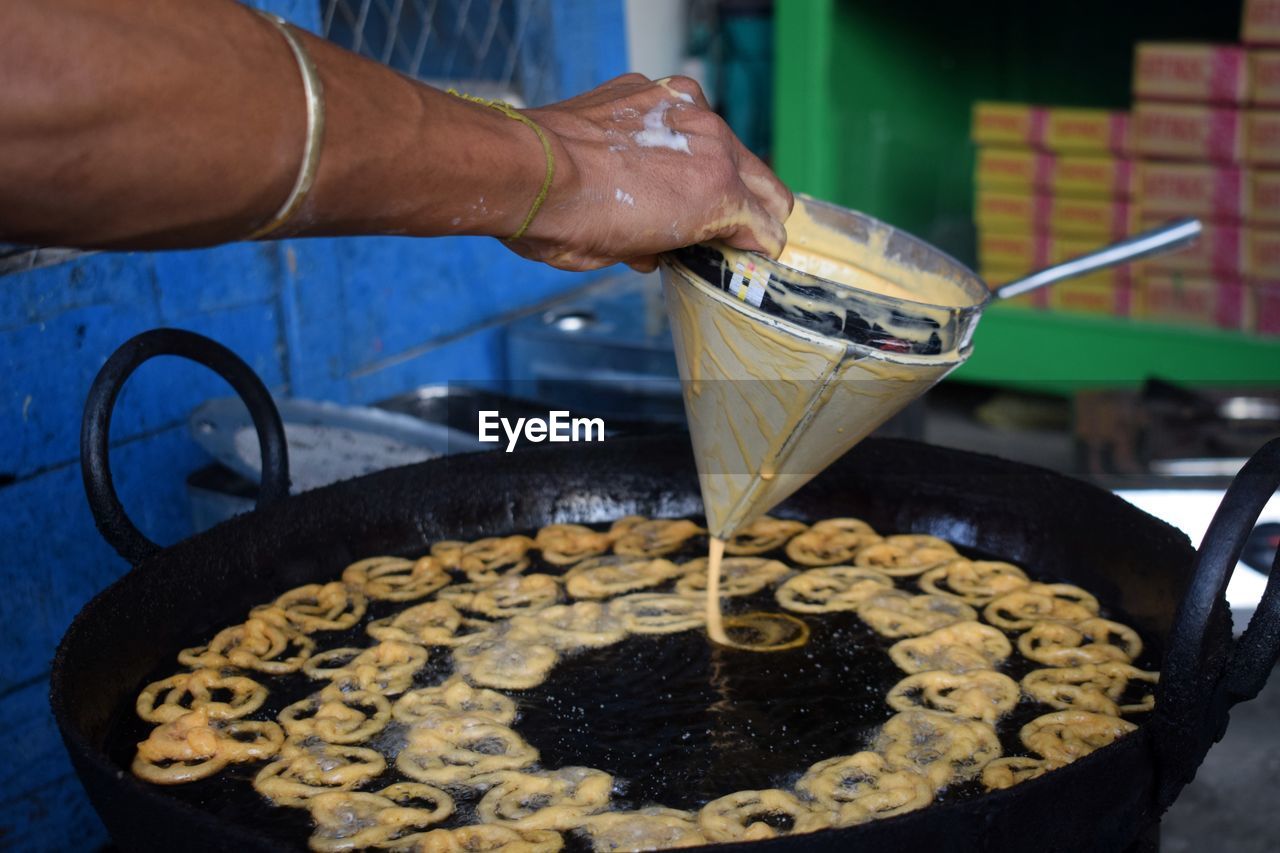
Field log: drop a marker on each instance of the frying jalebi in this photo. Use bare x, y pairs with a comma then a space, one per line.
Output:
960, 647
1088, 641
894, 613
905, 555
557, 799
387, 668
739, 576
1007, 772
566, 544
582, 625
656, 613
861, 787
258, 644
350, 820
514, 595
191, 747
396, 579
762, 535
337, 716
435, 623
979, 694
316, 607
310, 767
973, 581
753, 815
1064, 736
505, 630
1023, 607
456, 749
454, 697
1097, 687
943, 747
484, 559
166, 700
608, 576
506, 656
655, 538
831, 589
832, 541
652, 828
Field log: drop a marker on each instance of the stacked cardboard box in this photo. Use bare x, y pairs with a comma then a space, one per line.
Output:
1052, 183
1206, 132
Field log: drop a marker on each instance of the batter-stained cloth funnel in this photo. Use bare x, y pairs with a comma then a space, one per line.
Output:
786, 365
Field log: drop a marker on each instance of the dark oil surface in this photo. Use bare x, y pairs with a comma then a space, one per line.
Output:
676, 719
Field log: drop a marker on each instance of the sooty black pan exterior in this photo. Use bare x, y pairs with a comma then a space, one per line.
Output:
1066, 529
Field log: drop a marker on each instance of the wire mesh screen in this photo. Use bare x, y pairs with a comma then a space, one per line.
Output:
494, 48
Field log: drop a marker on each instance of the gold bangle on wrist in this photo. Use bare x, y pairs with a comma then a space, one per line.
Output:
547, 152
314, 92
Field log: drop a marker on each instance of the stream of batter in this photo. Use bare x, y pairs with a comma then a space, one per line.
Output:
760, 631
884, 385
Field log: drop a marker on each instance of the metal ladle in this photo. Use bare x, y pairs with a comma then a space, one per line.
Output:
1165, 238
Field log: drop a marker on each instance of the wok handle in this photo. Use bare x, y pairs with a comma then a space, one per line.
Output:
1203, 676
95, 429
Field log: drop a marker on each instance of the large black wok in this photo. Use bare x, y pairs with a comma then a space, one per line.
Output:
1063, 528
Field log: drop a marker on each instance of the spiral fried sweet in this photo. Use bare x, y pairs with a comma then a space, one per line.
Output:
1064, 736
395, 578
975, 582
762, 535
942, 747
565, 544
835, 540
831, 589
960, 647
755, 815
905, 555
978, 694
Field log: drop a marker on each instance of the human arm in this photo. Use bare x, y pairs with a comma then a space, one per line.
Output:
166, 123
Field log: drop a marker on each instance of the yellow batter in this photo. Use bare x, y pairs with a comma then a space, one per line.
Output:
770, 404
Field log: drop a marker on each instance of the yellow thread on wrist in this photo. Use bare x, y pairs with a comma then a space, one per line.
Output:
511, 112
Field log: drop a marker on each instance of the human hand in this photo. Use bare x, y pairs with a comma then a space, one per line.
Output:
644, 167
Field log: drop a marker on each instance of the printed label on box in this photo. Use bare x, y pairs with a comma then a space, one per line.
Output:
1020, 214
1057, 129
1262, 197
1262, 253
1106, 177
1016, 169
1192, 300
1264, 78
1202, 73
1262, 137
1025, 170
1069, 129
1179, 132
1002, 124
1088, 295
1191, 189
1260, 23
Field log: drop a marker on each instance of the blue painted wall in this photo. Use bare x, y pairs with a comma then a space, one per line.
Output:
345, 320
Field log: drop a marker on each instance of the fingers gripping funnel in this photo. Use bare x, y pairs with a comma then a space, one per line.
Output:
786, 365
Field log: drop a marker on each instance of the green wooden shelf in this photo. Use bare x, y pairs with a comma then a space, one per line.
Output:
1061, 352
872, 109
